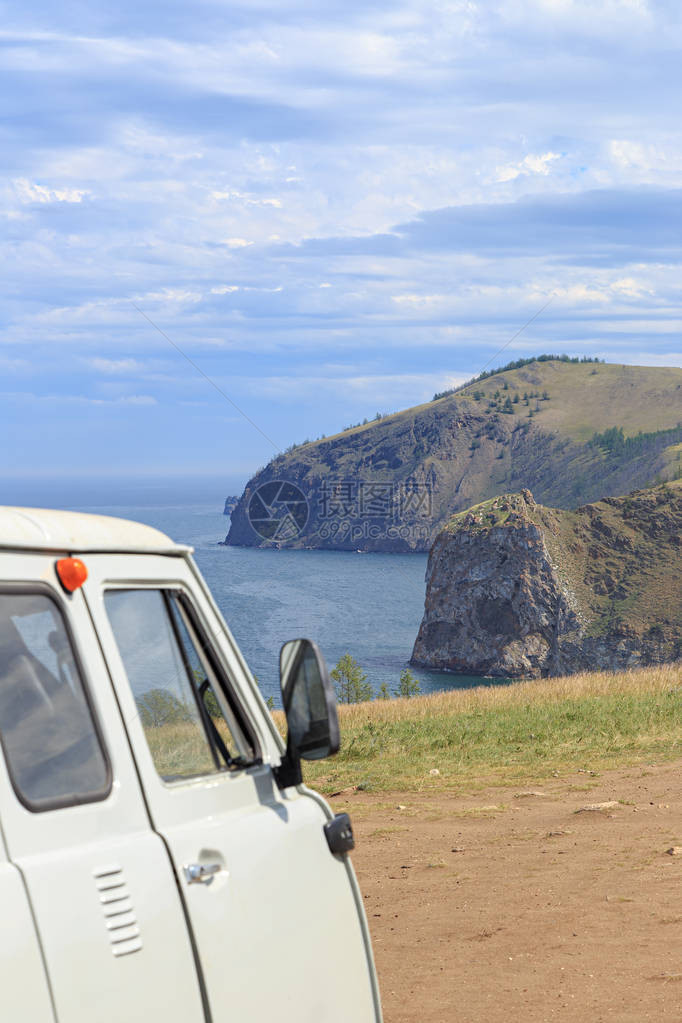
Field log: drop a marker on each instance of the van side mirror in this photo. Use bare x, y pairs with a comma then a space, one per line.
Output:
310, 707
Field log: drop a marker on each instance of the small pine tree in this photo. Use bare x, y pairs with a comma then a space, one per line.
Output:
160, 707
408, 685
350, 681
383, 692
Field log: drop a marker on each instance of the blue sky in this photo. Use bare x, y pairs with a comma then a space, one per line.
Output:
332, 210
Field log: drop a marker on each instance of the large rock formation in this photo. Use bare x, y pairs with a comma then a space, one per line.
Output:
571, 432
515, 589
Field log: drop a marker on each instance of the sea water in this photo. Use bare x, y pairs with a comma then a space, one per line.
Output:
366, 605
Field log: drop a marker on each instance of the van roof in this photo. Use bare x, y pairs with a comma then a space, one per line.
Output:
42, 529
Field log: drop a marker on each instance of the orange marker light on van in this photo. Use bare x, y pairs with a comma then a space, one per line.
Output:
72, 573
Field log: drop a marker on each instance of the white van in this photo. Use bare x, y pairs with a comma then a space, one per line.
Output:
160, 859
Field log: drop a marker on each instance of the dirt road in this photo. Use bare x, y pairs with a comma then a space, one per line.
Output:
519, 905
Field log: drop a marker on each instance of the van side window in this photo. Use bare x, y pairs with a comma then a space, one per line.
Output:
47, 732
190, 726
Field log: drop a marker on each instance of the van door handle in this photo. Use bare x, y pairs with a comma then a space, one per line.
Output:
201, 873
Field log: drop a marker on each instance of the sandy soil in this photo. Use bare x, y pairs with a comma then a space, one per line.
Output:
510, 905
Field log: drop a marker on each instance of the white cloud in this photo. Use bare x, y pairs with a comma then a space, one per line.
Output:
594, 8
531, 164
386, 390
671, 358
114, 367
631, 288
140, 140
647, 162
181, 296
212, 142
418, 300
136, 399
80, 399
130, 399
246, 199
29, 192
593, 19
627, 154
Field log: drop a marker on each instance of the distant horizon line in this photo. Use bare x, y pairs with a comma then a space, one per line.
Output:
139, 475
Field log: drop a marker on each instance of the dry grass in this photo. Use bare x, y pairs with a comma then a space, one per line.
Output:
501, 734
179, 749
546, 690
507, 733
586, 398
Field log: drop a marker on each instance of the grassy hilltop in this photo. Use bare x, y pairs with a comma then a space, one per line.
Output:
571, 432
588, 398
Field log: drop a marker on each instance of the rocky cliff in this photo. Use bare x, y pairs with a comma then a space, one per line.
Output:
569, 432
516, 589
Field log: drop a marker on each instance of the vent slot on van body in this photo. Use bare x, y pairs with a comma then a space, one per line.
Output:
118, 910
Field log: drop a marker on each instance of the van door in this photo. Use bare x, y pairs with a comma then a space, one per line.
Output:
275, 915
24, 993
102, 891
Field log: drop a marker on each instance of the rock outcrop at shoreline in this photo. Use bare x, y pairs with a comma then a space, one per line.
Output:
519, 590
230, 504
